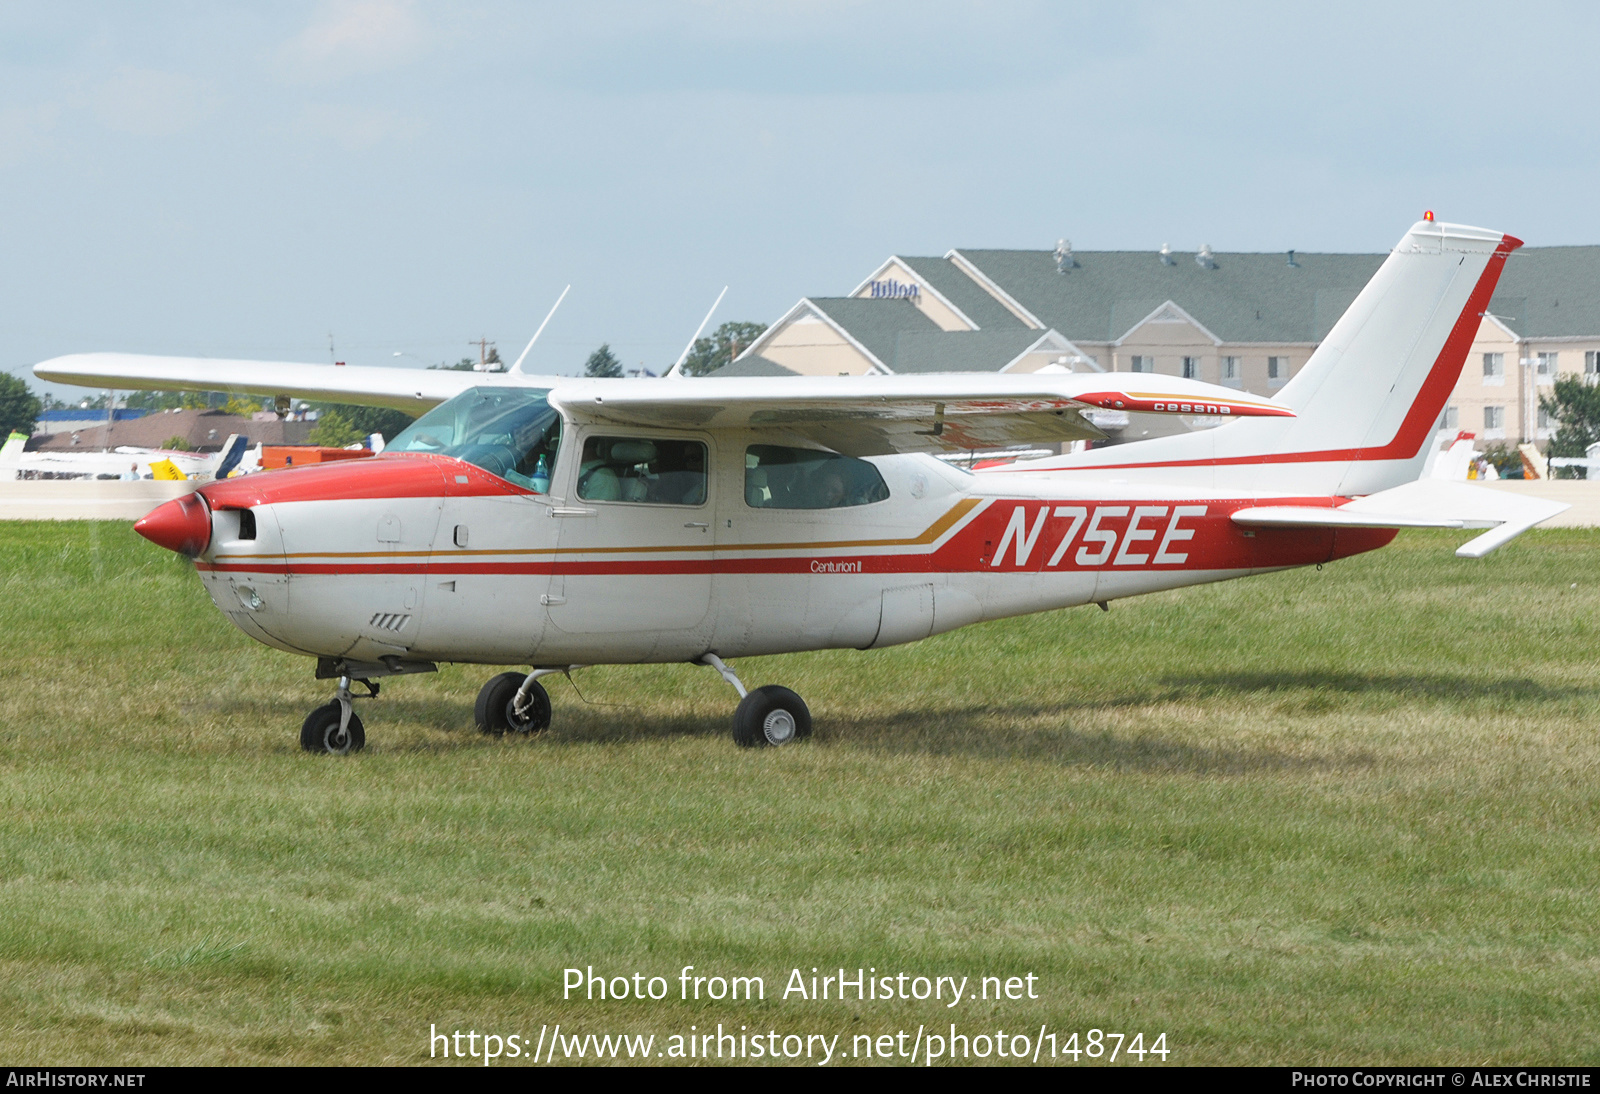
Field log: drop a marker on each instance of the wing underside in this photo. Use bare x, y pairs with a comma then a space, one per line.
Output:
858, 416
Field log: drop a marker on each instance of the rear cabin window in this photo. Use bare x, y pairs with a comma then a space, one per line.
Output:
806, 478
650, 471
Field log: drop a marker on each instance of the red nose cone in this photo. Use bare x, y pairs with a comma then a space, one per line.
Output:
182, 525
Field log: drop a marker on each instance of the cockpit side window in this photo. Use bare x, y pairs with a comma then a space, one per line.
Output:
776, 477
510, 432
638, 469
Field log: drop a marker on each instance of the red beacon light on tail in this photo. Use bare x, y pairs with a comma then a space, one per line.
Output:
1428, 216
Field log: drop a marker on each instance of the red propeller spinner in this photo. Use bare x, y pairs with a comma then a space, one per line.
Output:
182, 525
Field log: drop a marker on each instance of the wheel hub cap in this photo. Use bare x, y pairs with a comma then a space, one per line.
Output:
778, 727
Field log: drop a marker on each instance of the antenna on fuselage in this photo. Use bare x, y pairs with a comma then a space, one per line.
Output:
518, 366
676, 370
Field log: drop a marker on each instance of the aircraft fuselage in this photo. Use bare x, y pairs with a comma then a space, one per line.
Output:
430, 558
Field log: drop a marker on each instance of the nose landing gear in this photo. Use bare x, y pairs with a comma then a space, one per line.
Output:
769, 715
334, 727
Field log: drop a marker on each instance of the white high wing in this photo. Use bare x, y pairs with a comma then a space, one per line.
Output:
556, 523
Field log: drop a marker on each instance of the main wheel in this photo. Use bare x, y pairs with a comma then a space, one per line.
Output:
771, 715
495, 710
320, 732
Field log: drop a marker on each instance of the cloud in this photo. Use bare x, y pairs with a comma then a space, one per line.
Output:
149, 103
23, 129
355, 127
357, 36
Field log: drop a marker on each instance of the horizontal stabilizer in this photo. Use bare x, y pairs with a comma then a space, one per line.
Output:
1426, 503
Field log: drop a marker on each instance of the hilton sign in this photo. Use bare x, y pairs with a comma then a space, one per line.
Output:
892, 288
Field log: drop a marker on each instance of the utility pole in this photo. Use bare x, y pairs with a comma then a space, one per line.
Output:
483, 345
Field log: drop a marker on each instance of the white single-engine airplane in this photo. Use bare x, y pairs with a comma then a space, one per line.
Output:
558, 523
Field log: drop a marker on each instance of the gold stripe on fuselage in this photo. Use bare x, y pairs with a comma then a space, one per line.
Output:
928, 535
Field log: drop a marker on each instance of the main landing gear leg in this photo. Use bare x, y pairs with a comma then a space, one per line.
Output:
770, 715
512, 702
334, 727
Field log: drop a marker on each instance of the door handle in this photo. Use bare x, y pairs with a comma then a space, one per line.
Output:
569, 511
697, 524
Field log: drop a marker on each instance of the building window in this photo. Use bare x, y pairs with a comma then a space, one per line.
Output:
1544, 367
1452, 418
1494, 369
1494, 422
1191, 368
1591, 363
1547, 422
1277, 371
1144, 364
1230, 369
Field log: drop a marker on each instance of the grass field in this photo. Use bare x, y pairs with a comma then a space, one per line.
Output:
1341, 817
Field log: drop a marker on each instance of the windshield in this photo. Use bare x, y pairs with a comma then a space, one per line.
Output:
510, 432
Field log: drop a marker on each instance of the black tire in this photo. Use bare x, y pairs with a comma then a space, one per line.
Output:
771, 715
493, 710
320, 732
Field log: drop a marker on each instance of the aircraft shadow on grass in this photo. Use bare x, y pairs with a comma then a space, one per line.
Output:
1033, 732
1023, 731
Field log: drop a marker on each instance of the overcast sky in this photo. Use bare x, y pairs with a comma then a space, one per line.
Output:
243, 179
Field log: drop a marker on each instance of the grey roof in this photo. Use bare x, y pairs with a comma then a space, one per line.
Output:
876, 324
1245, 298
753, 366
1545, 292
1550, 292
960, 351
202, 430
973, 299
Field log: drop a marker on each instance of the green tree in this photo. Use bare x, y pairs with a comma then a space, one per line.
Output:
176, 443
19, 407
243, 406
333, 430
466, 364
1576, 408
602, 362
724, 344
177, 400
366, 420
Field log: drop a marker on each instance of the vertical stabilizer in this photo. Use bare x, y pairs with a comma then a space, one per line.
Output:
1372, 394
11, 452
11, 456
1367, 402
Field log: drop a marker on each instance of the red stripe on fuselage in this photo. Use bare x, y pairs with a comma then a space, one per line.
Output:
1067, 535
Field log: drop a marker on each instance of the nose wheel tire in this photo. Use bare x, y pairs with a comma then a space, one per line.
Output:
495, 711
320, 732
771, 715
